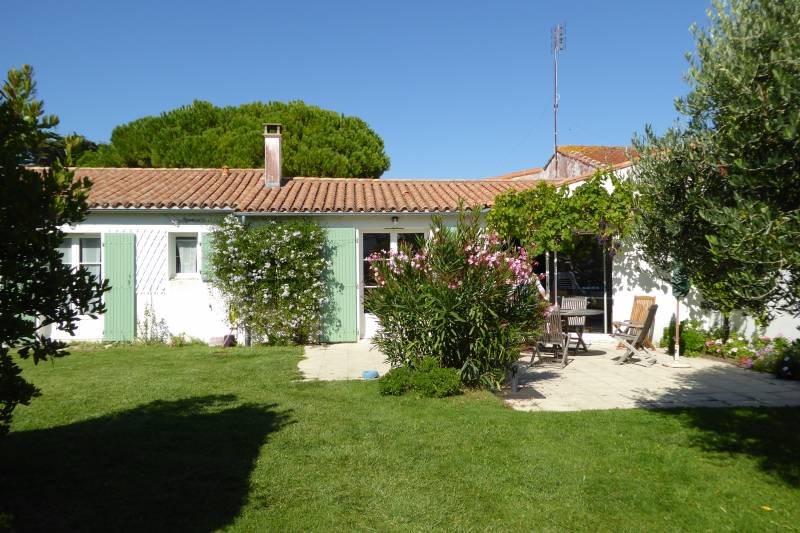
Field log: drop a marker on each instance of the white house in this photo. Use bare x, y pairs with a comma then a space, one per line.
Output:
147, 232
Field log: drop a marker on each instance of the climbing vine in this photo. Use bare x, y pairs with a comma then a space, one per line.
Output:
271, 276
550, 217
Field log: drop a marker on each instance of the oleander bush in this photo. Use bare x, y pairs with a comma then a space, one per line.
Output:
464, 299
271, 276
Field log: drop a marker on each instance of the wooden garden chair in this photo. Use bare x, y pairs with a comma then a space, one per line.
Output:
641, 304
576, 323
634, 340
552, 337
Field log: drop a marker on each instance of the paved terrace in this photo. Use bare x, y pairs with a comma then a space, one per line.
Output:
593, 380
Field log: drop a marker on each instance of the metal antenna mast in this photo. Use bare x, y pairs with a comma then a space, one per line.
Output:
558, 43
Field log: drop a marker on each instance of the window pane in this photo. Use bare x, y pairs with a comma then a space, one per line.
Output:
373, 242
185, 255
65, 249
90, 250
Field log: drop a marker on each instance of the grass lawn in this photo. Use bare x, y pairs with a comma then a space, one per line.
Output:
200, 439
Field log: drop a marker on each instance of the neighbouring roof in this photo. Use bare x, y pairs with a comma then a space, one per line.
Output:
599, 156
595, 156
243, 190
528, 174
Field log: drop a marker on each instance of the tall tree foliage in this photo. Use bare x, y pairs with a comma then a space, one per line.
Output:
720, 191
36, 289
316, 142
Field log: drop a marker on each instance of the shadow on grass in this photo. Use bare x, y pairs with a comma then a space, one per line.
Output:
165, 466
723, 397
771, 436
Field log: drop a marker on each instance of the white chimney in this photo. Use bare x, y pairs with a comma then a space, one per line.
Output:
272, 155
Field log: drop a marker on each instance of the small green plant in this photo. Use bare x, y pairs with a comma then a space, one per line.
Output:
432, 381
151, 329
395, 382
426, 378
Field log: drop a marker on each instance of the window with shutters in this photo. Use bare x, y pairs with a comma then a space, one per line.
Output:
184, 255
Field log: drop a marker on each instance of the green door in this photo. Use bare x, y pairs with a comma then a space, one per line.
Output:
120, 270
340, 316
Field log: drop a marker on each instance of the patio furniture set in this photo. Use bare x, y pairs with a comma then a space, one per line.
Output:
634, 334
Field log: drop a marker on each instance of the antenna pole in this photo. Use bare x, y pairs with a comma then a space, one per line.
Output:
558, 39
555, 106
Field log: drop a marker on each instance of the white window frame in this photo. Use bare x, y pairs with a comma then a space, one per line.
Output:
172, 255
75, 250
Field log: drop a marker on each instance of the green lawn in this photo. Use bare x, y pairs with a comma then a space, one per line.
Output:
200, 439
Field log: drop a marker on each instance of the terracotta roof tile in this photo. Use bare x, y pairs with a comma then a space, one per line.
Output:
599, 156
243, 190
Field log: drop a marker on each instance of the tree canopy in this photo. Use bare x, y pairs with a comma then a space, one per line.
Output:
719, 192
316, 142
36, 288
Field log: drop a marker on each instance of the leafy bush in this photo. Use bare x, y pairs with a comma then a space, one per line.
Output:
693, 337
432, 381
463, 299
395, 382
271, 276
787, 362
428, 379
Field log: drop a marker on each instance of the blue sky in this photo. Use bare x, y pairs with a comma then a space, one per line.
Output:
459, 89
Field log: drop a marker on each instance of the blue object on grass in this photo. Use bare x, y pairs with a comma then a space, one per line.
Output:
369, 374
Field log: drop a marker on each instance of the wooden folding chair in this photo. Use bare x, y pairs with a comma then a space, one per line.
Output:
634, 340
576, 323
641, 304
553, 337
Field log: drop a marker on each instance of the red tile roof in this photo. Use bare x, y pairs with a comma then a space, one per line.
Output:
599, 156
243, 190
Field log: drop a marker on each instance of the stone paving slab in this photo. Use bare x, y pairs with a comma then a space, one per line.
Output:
592, 381
334, 362
595, 381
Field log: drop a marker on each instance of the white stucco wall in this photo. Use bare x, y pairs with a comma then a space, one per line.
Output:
188, 306
631, 276
192, 306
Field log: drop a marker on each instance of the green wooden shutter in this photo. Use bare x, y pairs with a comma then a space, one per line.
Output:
206, 249
120, 270
340, 316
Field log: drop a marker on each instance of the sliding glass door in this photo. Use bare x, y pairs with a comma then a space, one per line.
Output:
585, 271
